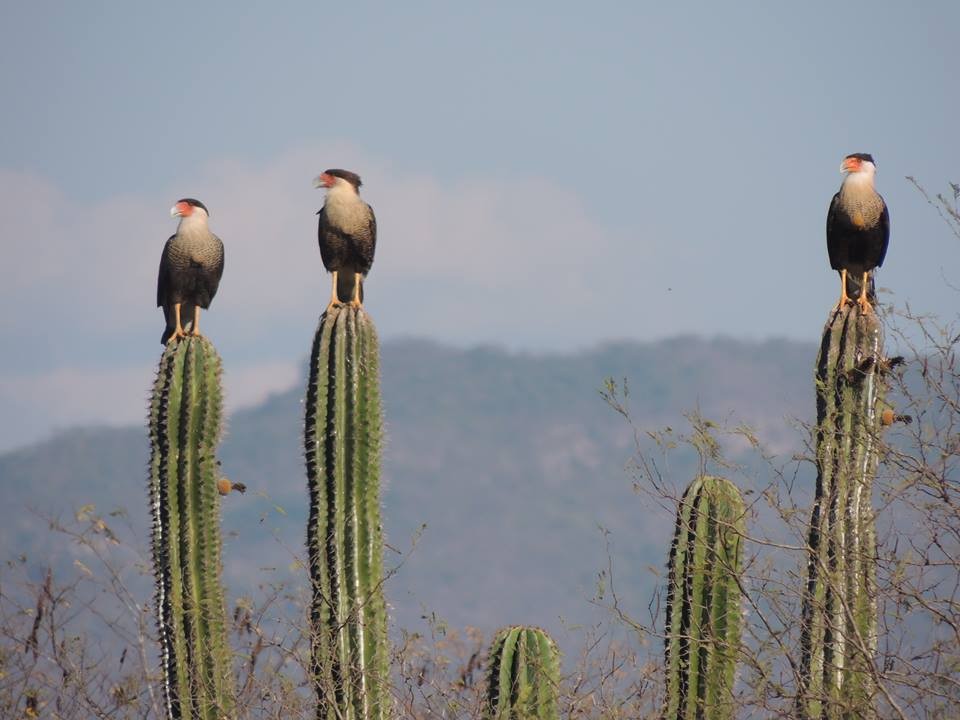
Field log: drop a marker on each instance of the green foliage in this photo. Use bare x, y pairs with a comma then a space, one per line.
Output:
703, 601
344, 536
839, 630
185, 420
524, 675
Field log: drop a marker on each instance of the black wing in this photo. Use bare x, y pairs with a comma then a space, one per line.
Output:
833, 240
367, 245
330, 242
163, 276
211, 278
885, 233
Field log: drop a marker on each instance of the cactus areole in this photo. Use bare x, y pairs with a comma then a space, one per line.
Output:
185, 418
523, 676
703, 602
839, 616
342, 441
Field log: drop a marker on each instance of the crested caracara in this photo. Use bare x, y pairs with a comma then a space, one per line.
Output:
190, 270
858, 229
347, 234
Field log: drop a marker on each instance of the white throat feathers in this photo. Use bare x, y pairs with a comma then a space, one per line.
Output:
193, 223
344, 208
859, 199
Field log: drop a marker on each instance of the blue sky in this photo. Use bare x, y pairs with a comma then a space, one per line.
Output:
546, 175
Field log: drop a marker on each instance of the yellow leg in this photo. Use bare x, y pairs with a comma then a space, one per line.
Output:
355, 300
844, 298
334, 300
178, 329
862, 301
195, 330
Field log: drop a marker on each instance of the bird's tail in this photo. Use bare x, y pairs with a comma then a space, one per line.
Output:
186, 320
345, 282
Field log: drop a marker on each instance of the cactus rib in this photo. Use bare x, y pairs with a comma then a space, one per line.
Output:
839, 614
185, 420
524, 675
703, 601
342, 439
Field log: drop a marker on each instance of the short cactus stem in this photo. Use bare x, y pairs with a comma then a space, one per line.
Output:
703, 602
524, 676
185, 420
342, 442
839, 615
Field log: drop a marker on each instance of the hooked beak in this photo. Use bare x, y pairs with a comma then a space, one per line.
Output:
320, 181
175, 211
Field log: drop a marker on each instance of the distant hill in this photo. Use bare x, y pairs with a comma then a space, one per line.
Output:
512, 461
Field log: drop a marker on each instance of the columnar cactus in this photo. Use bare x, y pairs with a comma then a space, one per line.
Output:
185, 418
524, 675
703, 601
344, 537
839, 618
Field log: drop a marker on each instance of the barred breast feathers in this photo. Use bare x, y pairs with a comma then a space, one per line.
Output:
194, 241
860, 201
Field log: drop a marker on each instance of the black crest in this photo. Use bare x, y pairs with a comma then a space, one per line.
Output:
350, 177
866, 157
194, 203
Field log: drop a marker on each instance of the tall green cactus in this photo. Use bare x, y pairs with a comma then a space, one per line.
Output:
839, 616
524, 675
703, 601
185, 419
344, 537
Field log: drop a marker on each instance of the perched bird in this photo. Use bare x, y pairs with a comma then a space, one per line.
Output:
858, 228
347, 234
190, 270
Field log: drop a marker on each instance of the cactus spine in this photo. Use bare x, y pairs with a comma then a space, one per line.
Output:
524, 675
839, 628
703, 601
185, 418
344, 537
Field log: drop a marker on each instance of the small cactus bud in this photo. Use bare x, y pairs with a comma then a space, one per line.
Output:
224, 486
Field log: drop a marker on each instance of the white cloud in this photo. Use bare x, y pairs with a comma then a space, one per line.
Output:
516, 260
34, 404
444, 251
478, 260
249, 386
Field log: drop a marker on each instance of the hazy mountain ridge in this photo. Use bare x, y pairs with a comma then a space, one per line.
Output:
512, 461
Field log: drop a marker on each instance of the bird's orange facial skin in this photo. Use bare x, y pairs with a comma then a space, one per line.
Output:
851, 164
327, 180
